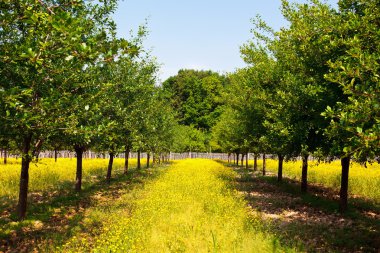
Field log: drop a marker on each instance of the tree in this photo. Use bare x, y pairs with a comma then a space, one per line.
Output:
355, 121
302, 51
196, 97
323, 46
318, 62
264, 115
160, 127
189, 139
227, 132
126, 82
44, 45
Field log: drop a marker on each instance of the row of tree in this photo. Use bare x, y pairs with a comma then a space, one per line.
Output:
312, 88
68, 82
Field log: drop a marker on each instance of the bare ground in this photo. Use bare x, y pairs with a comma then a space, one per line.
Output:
310, 222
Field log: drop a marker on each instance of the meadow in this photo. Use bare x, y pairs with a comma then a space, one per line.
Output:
56, 212
363, 181
189, 208
192, 205
48, 175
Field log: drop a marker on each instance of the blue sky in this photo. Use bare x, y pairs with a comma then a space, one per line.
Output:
197, 34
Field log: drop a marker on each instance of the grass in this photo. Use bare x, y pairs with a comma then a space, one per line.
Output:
55, 216
364, 182
189, 208
47, 175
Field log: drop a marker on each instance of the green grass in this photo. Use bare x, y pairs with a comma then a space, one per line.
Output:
189, 208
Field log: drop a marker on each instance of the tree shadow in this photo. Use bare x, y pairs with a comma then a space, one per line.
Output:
310, 221
59, 214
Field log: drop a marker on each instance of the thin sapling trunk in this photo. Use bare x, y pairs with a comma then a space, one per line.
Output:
264, 165
24, 178
345, 162
139, 159
280, 165
109, 170
126, 161
55, 154
304, 173
255, 162
246, 161
78, 180
5, 156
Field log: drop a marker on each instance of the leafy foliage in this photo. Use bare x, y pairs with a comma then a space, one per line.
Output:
195, 95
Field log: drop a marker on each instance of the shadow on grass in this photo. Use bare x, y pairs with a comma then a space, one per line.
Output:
59, 214
310, 221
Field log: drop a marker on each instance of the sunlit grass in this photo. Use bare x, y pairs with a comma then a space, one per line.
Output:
47, 174
362, 181
189, 208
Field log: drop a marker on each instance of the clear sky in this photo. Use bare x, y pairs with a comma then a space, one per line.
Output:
197, 34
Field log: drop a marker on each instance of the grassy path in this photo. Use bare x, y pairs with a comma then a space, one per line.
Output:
189, 208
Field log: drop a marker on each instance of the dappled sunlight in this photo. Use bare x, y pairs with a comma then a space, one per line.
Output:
309, 220
190, 208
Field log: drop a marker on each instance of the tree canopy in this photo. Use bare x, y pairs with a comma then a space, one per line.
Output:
195, 95
311, 88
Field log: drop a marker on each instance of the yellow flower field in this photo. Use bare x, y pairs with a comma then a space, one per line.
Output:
48, 174
189, 208
362, 181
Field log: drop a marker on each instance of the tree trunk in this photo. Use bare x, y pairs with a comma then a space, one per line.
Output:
345, 162
242, 160
24, 178
147, 159
5, 156
109, 171
304, 173
246, 161
78, 180
237, 159
280, 164
126, 161
139, 159
255, 162
264, 165
229, 158
55, 154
